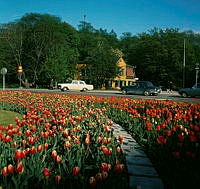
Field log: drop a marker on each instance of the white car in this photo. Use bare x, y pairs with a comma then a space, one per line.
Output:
75, 85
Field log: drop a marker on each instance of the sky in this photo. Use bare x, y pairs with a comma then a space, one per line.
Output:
135, 16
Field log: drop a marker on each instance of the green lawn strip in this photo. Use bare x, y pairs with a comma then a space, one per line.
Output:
8, 117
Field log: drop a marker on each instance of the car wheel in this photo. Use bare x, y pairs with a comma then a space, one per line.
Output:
124, 92
84, 89
65, 89
184, 95
146, 93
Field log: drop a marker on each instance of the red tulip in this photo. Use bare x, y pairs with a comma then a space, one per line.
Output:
28, 133
46, 173
92, 181
5, 171
119, 168
10, 168
39, 148
118, 150
168, 132
87, 141
161, 139
58, 159
99, 177
66, 132
23, 143
54, 128
104, 174
67, 144
57, 179
104, 167
18, 154
54, 154
176, 154
76, 141
76, 171
23, 154
99, 139
120, 139
32, 150
33, 128
46, 145
20, 167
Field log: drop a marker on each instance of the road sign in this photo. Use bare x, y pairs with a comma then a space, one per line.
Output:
20, 69
3, 71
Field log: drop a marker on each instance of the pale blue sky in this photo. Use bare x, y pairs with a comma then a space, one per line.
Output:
133, 16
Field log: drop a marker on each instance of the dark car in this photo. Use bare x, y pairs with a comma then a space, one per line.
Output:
142, 88
192, 92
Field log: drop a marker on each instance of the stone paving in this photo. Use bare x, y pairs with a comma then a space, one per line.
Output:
142, 173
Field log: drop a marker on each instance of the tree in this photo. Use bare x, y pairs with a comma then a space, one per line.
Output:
44, 34
102, 64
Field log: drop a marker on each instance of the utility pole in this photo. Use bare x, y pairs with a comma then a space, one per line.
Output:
84, 18
184, 65
197, 72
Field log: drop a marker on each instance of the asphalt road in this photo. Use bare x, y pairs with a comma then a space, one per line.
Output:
109, 93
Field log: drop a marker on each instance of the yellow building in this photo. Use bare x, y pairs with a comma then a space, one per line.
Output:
125, 77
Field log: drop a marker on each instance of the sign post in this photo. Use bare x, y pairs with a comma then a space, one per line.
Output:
20, 70
3, 72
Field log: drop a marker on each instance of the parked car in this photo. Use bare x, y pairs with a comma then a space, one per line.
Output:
190, 92
75, 85
142, 88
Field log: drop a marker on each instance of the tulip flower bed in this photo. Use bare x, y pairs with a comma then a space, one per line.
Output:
169, 133
61, 142
67, 140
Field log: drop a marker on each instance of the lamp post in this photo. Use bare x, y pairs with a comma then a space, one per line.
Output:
184, 64
197, 71
3, 72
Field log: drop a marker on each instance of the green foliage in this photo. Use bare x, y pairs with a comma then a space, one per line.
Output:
48, 48
158, 55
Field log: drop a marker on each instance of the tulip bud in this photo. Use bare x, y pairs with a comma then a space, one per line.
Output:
20, 167
87, 141
46, 173
118, 150
57, 179
99, 177
67, 144
54, 154
10, 168
92, 181
5, 171
58, 159
39, 148
104, 174
76, 171
46, 145
18, 154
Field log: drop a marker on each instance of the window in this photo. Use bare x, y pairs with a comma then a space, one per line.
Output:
81, 82
116, 83
122, 72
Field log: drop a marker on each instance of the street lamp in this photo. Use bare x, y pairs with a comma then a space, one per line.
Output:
197, 71
3, 72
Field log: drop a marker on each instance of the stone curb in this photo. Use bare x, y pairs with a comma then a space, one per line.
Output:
142, 173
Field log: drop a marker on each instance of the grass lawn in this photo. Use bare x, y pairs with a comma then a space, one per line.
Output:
8, 117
